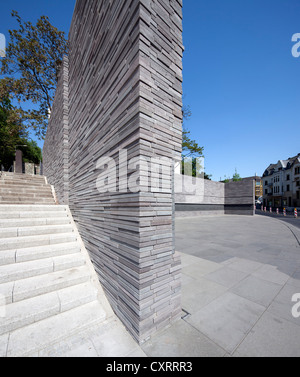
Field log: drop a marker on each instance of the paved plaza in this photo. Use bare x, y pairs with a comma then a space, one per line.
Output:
239, 277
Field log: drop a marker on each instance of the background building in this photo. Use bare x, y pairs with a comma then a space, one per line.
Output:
281, 184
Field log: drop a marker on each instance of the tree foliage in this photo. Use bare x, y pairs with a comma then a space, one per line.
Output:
189, 147
192, 153
31, 67
236, 177
12, 137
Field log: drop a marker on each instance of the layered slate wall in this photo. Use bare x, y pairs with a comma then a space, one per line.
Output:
198, 197
240, 198
201, 197
56, 146
125, 90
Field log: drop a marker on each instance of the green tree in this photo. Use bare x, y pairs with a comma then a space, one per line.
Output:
33, 59
236, 177
13, 136
192, 153
10, 132
31, 151
189, 147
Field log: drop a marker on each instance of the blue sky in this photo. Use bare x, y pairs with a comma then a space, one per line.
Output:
240, 78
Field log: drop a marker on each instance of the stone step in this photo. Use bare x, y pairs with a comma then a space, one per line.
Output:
33, 241
26, 199
33, 201
22, 183
39, 252
20, 271
30, 207
34, 230
7, 186
14, 215
27, 312
39, 285
18, 175
35, 337
33, 222
26, 192
22, 188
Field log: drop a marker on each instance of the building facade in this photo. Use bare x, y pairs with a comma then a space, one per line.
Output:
281, 184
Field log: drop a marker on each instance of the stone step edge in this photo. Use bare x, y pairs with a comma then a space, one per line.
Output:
34, 241
39, 308
30, 231
32, 207
20, 271
43, 284
30, 222
37, 336
31, 254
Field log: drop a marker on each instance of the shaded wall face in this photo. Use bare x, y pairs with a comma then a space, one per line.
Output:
56, 146
240, 198
124, 112
198, 197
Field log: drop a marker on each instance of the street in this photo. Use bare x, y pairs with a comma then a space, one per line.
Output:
288, 219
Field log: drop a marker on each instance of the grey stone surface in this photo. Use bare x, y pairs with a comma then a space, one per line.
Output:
254, 316
182, 340
227, 276
197, 294
123, 91
271, 337
272, 274
282, 305
56, 146
18, 189
198, 197
227, 320
19, 162
257, 290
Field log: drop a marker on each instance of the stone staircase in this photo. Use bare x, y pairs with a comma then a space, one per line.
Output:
48, 286
25, 189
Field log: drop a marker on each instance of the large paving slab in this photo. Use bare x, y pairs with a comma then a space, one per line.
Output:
227, 320
257, 290
271, 337
182, 340
238, 278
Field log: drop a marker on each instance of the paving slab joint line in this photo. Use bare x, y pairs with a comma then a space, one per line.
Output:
298, 240
248, 332
8, 339
287, 226
60, 338
207, 337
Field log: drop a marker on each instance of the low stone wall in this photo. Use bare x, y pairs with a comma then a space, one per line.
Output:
240, 198
199, 197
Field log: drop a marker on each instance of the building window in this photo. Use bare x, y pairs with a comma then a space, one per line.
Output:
297, 170
266, 183
288, 188
298, 194
266, 192
288, 178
